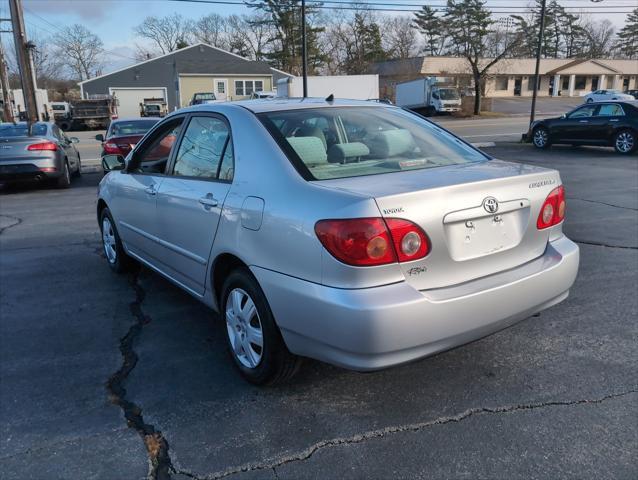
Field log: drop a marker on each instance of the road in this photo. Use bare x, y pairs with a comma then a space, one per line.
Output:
555, 396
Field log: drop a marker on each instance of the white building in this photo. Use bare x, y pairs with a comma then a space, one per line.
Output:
515, 76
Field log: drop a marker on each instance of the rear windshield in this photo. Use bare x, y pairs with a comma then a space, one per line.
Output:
58, 107
339, 142
205, 96
11, 130
135, 127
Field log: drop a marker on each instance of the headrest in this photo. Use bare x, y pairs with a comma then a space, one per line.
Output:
310, 149
307, 131
339, 152
390, 143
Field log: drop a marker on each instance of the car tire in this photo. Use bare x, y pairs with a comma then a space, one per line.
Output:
540, 138
248, 321
78, 172
590, 100
625, 142
112, 247
65, 180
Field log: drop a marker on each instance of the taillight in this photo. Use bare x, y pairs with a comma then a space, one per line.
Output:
111, 148
38, 147
357, 241
410, 241
553, 210
372, 241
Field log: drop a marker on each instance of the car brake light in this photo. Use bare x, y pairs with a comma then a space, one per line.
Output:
410, 241
111, 148
553, 210
372, 241
38, 147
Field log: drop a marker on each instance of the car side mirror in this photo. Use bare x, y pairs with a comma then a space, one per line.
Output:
74, 139
99, 137
564, 115
112, 162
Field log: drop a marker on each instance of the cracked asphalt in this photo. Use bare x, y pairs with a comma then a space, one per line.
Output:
126, 377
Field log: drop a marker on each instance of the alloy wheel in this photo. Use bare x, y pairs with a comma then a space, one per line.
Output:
540, 137
244, 328
108, 239
625, 142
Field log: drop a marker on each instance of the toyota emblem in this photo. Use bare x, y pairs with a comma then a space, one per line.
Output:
490, 204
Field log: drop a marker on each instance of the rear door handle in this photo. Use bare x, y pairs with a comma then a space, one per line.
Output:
614, 120
583, 121
151, 190
209, 201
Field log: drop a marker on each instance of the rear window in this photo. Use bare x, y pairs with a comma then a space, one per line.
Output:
340, 142
135, 127
11, 130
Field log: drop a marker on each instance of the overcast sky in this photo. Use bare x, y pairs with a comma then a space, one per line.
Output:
113, 20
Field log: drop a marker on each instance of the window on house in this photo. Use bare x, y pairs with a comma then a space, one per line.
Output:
259, 86
581, 81
502, 82
530, 83
248, 87
239, 87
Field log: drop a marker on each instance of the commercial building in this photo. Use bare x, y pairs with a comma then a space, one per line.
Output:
176, 76
515, 76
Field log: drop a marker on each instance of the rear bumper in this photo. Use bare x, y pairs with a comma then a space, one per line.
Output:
374, 328
25, 173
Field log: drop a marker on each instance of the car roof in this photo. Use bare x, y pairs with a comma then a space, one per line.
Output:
283, 104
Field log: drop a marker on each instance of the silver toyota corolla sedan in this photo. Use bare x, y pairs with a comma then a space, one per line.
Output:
351, 232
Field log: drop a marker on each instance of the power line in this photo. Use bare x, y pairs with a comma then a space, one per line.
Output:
387, 7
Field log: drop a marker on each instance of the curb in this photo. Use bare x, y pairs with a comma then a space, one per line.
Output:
91, 169
483, 144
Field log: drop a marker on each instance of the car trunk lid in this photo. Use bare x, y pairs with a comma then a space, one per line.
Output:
480, 217
15, 148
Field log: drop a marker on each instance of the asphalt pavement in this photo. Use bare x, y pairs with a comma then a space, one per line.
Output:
112, 377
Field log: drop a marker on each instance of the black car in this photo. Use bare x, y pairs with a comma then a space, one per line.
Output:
612, 124
633, 93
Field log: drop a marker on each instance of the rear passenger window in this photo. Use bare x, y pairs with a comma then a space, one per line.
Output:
610, 111
203, 150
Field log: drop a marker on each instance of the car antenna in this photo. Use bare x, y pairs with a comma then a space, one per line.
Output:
330, 98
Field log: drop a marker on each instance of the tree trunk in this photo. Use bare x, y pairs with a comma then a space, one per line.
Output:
477, 94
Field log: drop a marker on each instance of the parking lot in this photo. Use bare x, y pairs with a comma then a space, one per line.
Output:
107, 376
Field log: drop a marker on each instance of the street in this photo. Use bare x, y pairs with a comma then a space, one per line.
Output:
107, 376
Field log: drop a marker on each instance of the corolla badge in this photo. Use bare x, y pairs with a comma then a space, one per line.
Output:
490, 204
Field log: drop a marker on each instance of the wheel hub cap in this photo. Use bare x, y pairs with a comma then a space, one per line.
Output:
108, 239
624, 142
244, 328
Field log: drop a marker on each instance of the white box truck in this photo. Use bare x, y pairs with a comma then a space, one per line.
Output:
431, 94
355, 87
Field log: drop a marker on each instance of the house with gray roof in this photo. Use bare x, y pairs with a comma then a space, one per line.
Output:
178, 75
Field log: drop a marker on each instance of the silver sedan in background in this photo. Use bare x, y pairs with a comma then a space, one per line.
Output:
355, 233
45, 154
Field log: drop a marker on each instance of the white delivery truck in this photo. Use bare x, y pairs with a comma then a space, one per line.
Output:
355, 87
432, 94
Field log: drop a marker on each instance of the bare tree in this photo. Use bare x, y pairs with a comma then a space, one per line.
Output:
211, 29
79, 50
168, 33
399, 37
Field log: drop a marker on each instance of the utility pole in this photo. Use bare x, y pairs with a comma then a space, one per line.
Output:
304, 47
539, 50
7, 108
24, 55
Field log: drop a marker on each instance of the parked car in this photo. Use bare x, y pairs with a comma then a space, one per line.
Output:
44, 155
606, 95
633, 93
262, 95
612, 124
351, 232
123, 135
203, 97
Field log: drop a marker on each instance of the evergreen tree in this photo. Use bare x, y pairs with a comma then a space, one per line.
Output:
432, 29
627, 43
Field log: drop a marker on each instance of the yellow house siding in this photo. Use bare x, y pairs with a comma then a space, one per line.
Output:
191, 84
